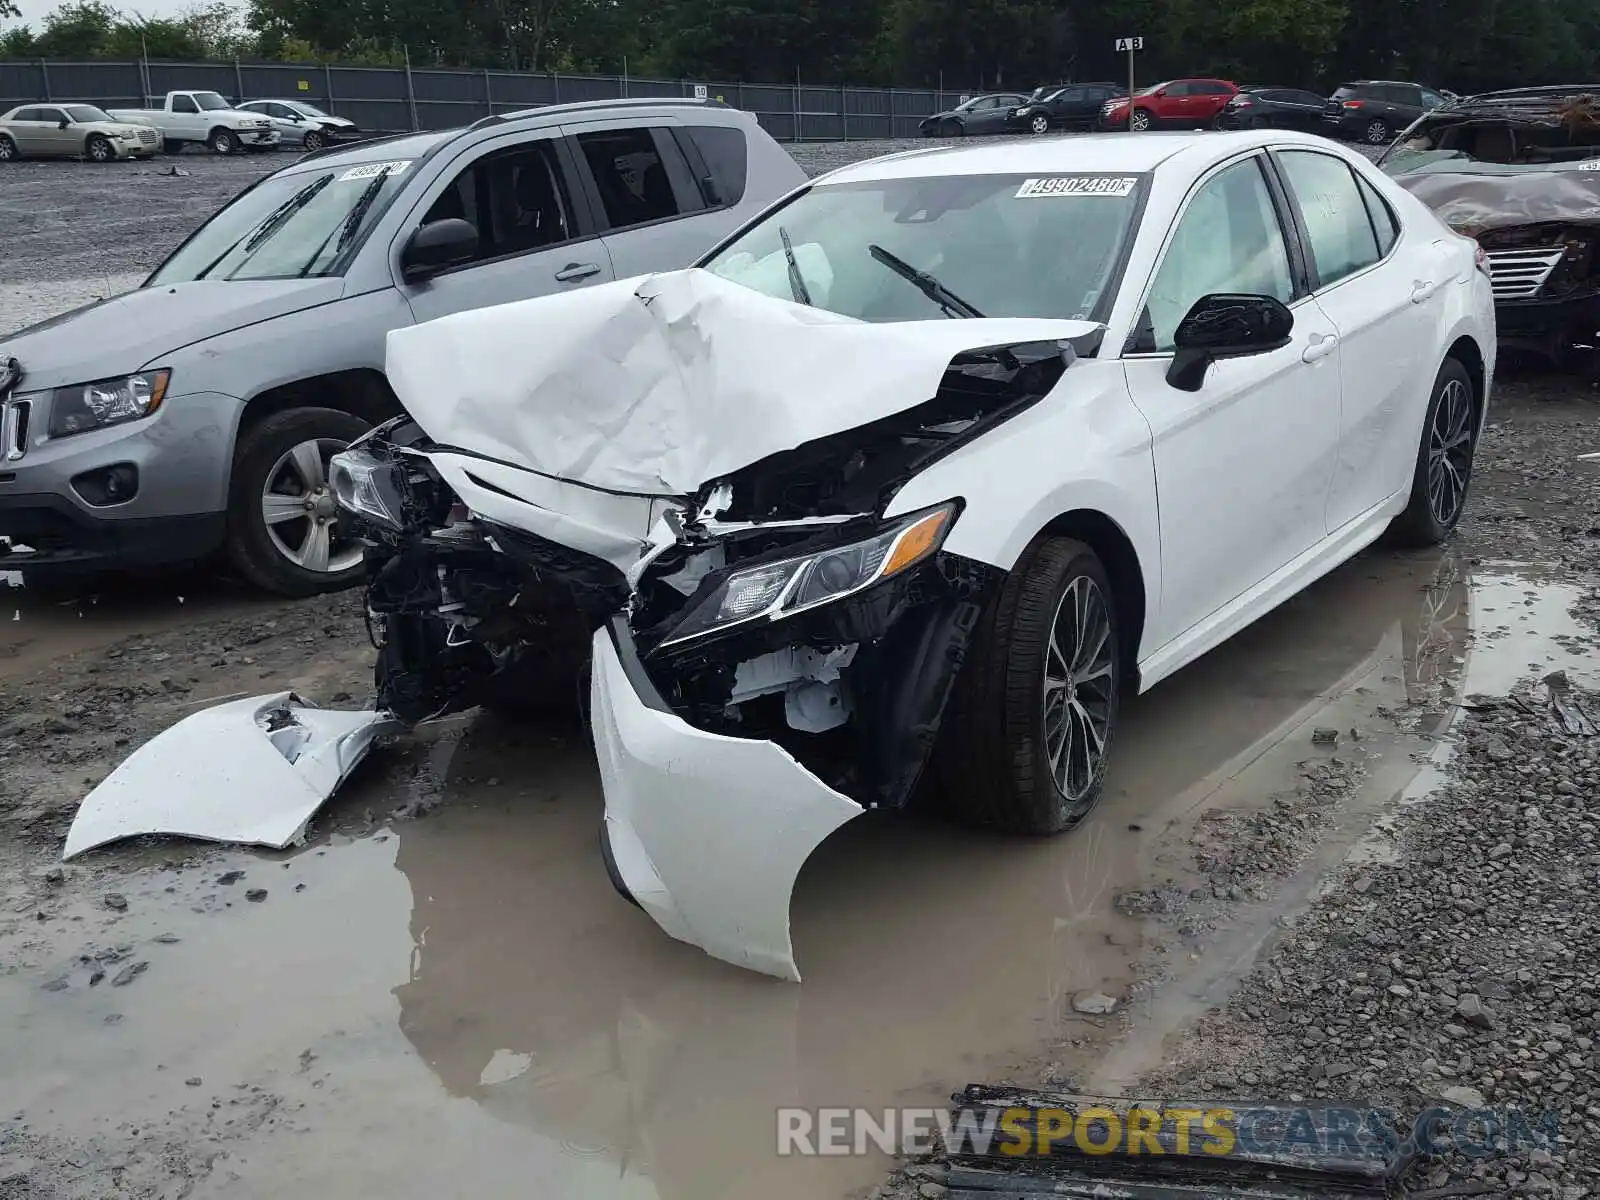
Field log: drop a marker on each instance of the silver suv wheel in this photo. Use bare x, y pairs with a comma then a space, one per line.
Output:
301, 516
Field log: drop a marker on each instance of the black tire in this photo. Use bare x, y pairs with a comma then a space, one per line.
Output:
953, 128
251, 545
171, 146
1377, 132
1143, 120
1039, 123
223, 141
99, 149
993, 766
8, 149
313, 141
1443, 463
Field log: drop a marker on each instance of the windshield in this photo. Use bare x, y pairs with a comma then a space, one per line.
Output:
83, 113
288, 226
209, 101
305, 110
1003, 245
1492, 147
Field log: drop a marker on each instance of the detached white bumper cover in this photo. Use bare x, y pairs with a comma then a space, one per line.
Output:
253, 771
655, 386
707, 832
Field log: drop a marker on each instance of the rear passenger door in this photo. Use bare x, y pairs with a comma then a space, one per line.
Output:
647, 183
536, 232
27, 128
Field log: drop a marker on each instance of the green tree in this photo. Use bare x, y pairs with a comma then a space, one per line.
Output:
80, 29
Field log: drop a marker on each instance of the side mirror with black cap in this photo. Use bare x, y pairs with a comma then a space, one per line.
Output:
1226, 325
63, 123
438, 245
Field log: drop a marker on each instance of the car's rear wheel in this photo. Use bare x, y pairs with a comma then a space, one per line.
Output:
8, 149
1025, 743
313, 141
1377, 132
1444, 461
99, 149
1142, 120
1040, 123
222, 141
283, 527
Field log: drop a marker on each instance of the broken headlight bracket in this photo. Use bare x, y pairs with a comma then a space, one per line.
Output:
773, 590
368, 487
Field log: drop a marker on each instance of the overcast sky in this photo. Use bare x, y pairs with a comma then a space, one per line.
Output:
33, 11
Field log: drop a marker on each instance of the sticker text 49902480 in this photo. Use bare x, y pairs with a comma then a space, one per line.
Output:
1076, 185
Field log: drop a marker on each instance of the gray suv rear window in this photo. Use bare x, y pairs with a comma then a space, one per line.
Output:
727, 159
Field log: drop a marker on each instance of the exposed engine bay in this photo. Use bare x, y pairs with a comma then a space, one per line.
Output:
786, 606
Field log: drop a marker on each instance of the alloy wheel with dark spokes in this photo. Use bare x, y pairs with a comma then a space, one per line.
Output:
300, 512
1079, 683
1450, 452
1377, 133
1141, 120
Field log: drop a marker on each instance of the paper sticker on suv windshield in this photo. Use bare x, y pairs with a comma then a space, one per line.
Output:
371, 169
1076, 185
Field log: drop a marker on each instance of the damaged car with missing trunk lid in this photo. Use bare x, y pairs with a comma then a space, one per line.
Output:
1520, 171
899, 492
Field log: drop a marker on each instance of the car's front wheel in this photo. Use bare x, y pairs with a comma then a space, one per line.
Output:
222, 141
284, 532
314, 141
1444, 461
1024, 745
1142, 121
1040, 123
99, 149
952, 128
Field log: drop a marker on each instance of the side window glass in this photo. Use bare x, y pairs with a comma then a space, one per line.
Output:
1179, 89
1383, 219
1228, 240
1070, 96
633, 181
526, 201
1342, 241
727, 158
459, 201
184, 104
1431, 99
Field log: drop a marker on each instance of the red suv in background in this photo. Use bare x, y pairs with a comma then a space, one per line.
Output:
1176, 104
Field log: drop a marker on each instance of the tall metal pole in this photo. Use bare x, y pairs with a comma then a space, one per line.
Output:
1130, 84
411, 92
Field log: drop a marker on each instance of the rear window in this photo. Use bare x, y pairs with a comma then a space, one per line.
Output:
1345, 91
727, 157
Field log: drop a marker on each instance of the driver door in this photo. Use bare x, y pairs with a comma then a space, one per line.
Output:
52, 138
1243, 465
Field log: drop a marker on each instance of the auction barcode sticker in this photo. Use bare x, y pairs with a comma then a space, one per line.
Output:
1077, 185
370, 169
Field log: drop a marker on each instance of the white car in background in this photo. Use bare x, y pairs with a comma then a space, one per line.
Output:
303, 125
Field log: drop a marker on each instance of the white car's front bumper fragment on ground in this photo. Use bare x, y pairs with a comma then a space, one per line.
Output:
250, 771
707, 832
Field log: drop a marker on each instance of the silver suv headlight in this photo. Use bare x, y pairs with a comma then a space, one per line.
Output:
773, 590
86, 406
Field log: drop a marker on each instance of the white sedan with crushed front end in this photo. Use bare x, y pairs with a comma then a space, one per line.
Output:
900, 492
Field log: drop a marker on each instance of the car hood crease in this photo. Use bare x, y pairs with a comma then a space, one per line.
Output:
659, 384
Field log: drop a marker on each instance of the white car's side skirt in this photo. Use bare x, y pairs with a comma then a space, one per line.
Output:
1288, 581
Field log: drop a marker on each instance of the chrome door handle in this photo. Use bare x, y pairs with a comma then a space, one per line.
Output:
1422, 290
1321, 348
573, 272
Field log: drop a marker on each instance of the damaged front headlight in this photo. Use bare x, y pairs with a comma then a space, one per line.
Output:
794, 585
367, 487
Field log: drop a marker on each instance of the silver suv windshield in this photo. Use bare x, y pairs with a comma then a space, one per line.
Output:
1002, 245
289, 226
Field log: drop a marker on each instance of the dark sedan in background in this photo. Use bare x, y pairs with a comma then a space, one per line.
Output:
1065, 106
1264, 106
977, 114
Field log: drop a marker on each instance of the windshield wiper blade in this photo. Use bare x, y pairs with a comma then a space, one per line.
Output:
797, 283
925, 283
347, 229
275, 220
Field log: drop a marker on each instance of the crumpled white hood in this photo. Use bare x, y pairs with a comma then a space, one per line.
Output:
659, 384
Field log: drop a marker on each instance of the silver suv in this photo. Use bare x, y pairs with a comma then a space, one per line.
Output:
199, 411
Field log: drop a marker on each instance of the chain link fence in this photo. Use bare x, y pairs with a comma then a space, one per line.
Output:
394, 99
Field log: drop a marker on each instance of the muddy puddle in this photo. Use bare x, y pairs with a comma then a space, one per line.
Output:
42, 622
461, 1005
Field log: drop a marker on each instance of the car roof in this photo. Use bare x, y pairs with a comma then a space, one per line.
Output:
1094, 152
